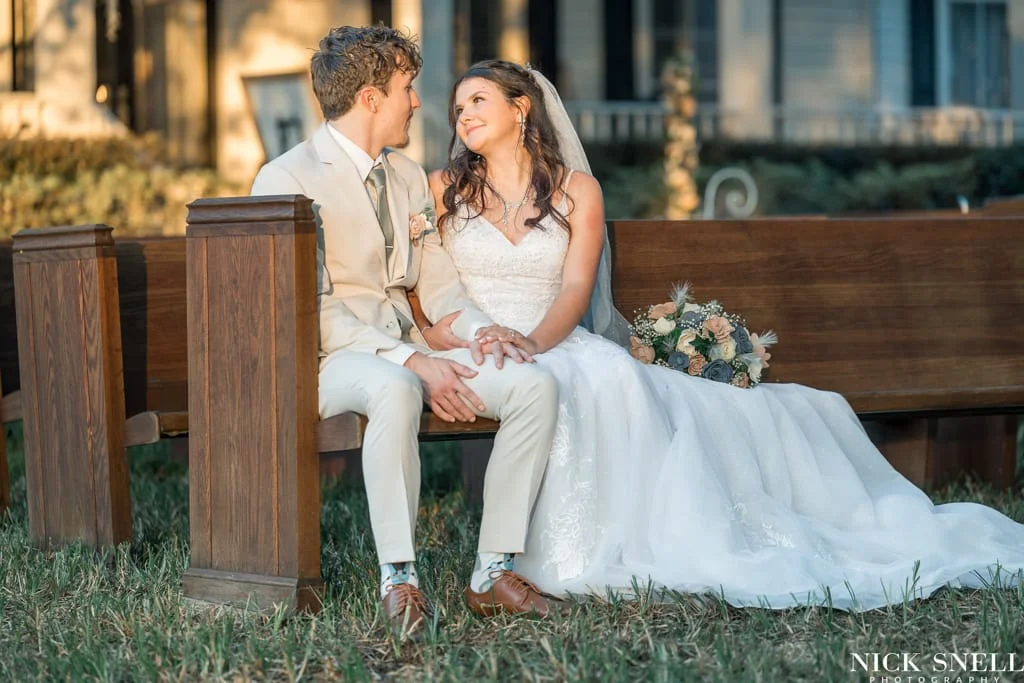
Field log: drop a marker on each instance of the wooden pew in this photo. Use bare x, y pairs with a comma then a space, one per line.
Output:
912, 320
149, 292
58, 273
151, 279
71, 386
878, 310
145, 281
254, 492
869, 284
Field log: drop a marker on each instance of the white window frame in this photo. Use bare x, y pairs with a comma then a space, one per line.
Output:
944, 41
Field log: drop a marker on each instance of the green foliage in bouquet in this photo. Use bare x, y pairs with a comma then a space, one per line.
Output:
702, 340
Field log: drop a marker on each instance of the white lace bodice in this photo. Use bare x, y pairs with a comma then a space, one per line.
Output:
513, 284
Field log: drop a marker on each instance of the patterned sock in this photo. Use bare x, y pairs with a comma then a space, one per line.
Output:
486, 563
397, 573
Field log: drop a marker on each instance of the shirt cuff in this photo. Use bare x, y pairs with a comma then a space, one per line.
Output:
467, 325
398, 355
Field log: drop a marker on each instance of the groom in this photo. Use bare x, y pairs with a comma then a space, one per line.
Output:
373, 207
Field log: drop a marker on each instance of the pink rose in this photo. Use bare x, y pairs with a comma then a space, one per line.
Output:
642, 352
741, 380
662, 310
697, 363
417, 225
719, 327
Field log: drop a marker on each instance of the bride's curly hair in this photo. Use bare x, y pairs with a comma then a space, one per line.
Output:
465, 176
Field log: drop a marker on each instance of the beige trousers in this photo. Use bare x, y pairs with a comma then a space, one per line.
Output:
523, 396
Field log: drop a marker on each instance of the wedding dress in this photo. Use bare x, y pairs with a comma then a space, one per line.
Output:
772, 496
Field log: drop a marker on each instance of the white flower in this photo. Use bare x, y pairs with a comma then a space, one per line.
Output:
664, 325
691, 307
754, 369
685, 343
724, 351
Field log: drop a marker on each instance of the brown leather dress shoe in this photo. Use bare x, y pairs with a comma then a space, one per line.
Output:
406, 609
512, 594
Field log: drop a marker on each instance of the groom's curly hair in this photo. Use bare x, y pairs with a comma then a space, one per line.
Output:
466, 174
353, 57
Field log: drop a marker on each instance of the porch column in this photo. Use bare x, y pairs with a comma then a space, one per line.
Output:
581, 49
745, 82
643, 49
514, 41
7, 52
1015, 10
435, 82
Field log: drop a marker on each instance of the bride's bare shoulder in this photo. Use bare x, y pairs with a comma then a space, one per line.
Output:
581, 181
438, 182
583, 188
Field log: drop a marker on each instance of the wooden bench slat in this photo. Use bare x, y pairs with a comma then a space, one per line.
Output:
938, 401
345, 432
150, 426
10, 407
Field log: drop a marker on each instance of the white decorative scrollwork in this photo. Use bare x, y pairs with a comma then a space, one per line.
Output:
737, 204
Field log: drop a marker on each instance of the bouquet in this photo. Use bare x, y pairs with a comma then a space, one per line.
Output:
702, 340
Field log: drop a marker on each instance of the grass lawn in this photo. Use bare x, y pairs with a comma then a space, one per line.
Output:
75, 615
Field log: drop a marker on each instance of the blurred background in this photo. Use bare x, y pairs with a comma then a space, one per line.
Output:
121, 111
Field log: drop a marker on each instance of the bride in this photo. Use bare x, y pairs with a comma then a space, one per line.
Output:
772, 496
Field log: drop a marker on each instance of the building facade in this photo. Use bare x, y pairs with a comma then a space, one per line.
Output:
225, 82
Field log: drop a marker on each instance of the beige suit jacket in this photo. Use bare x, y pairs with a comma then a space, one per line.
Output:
359, 292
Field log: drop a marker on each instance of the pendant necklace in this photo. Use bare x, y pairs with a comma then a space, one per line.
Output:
509, 206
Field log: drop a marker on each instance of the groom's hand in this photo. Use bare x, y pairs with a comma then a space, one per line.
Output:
443, 387
440, 337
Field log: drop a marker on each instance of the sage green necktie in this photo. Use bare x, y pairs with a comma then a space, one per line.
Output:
376, 184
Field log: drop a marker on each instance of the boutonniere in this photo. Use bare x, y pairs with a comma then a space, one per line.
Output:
421, 224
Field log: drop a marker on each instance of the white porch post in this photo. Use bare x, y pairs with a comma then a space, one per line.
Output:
643, 49
514, 43
65, 71
892, 53
408, 15
1015, 12
745, 82
435, 82
65, 52
6, 46
943, 55
581, 49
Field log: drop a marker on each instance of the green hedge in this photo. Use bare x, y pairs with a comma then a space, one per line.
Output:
800, 180
125, 183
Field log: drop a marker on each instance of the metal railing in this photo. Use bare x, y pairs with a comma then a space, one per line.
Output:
959, 126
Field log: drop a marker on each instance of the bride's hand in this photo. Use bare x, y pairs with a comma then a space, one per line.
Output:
506, 335
440, 337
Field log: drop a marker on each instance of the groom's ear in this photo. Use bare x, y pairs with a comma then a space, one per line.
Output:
369, 98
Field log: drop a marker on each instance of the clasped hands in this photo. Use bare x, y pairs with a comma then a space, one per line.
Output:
442, 379
495, 340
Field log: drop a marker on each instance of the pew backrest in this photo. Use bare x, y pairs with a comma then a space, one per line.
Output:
898, 315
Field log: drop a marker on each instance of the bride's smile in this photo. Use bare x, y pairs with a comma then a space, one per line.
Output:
484, 118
